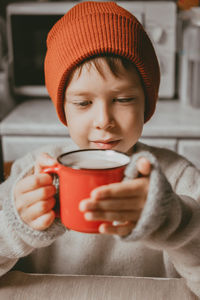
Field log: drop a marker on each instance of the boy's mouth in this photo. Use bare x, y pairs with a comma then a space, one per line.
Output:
105, 144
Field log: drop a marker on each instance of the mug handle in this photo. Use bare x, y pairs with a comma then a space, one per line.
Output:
51, 171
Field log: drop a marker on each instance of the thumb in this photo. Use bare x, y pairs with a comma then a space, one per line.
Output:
143, 167
44, 160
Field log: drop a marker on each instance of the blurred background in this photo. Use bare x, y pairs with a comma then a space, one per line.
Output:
27, 117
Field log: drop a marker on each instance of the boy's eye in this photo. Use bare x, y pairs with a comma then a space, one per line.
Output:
82, 103
123, 100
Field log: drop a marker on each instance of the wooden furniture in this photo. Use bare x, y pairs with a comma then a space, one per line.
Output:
6, 169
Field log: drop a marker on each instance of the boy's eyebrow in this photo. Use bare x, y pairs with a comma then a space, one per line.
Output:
78, 93
86, 93
125, 88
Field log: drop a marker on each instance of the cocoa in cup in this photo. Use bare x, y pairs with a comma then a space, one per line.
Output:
79, 173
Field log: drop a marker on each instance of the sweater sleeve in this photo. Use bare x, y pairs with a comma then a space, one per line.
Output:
170, 220
17, 238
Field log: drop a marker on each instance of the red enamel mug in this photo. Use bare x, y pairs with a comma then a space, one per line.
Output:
79, 173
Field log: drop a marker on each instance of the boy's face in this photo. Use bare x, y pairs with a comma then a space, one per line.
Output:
105, 112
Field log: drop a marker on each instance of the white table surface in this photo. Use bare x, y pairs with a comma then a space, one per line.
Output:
20, 286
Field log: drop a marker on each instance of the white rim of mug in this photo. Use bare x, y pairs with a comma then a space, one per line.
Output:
96, 150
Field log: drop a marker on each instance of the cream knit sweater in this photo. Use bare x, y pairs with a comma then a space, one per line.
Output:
165, 242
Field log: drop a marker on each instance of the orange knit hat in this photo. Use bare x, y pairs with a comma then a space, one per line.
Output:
93, 29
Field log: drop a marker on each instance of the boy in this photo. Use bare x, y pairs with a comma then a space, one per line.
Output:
102, 74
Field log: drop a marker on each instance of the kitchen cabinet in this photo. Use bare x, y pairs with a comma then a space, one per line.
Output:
16, 146
34, 123
177, 127
186, 147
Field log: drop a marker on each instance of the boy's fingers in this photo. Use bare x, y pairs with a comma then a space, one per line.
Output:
32, 182
128, 189
44, 221
112, 216
118, 204
38, 209
29, 198
143, 166
44, 160
121, 230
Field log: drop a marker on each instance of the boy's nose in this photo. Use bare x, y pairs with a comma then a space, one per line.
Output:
103, 118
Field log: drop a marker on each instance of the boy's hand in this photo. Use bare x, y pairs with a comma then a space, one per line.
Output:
122, 202
34, 196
